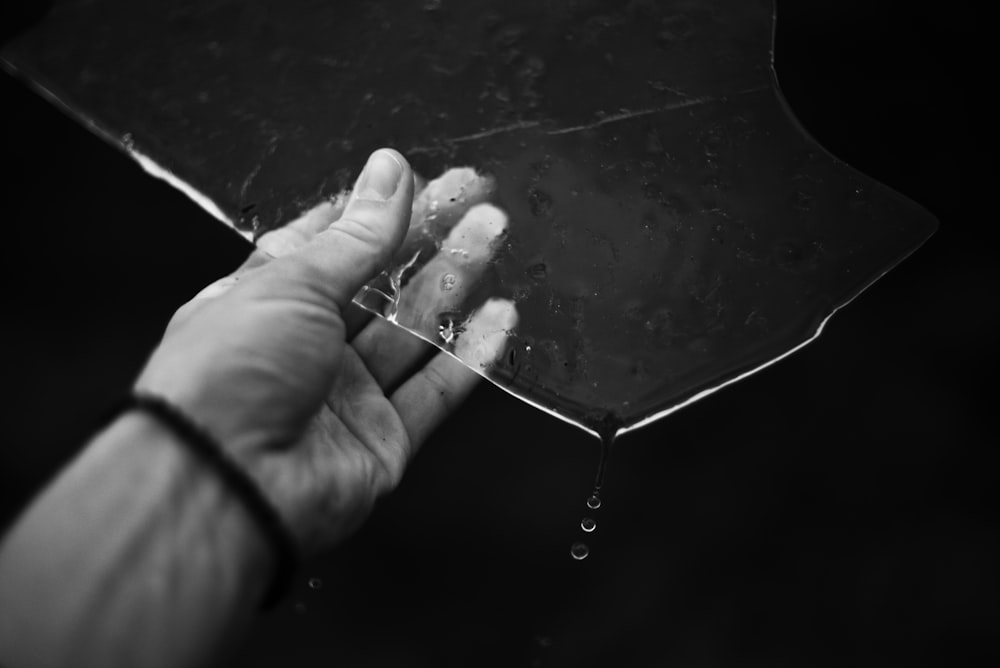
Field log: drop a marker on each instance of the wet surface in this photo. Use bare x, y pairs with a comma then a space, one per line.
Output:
667, 225
269, 107
834, 510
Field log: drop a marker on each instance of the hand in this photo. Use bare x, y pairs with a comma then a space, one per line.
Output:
321, 403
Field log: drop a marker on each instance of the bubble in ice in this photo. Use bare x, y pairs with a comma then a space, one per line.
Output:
538, 271
448, 281
540, 203
594, 502
588, 524
579, 551
315, 583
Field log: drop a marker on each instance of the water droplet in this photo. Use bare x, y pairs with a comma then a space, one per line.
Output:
588, 524
448, 281
594, 502
859, 196
315, 583
540, 203
538, 271
579, 551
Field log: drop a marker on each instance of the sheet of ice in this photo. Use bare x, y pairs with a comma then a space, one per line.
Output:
636, 203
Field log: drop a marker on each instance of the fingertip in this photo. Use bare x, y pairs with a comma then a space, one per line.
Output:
354, 248
405, 178
408, 178
476, 233
486, 333
394, 154
385, 185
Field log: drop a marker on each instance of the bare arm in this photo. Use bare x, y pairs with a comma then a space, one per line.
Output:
138, 554
135, 556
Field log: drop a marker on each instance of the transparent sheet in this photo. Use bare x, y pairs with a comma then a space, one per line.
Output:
629, 200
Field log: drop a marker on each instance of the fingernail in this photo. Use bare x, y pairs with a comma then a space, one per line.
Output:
380, 178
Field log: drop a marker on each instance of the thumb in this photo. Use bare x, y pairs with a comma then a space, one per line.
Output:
345, 256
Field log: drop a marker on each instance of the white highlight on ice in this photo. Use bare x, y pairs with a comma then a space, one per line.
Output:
157, 172
696, 397
704, 393
147, 163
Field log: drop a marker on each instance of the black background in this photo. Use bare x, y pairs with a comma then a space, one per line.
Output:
835, 509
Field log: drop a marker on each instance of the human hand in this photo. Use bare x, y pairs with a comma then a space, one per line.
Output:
321, 403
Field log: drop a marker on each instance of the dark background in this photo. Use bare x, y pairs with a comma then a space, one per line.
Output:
835, 509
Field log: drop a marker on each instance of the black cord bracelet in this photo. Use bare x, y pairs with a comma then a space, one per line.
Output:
238, 481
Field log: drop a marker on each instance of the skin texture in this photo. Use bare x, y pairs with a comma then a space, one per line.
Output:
137, 554
325, 404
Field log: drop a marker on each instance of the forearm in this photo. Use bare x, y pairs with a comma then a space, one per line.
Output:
136, 555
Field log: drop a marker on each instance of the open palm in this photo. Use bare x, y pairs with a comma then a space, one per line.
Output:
323, 403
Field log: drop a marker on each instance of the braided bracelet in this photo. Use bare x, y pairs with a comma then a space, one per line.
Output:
238, 481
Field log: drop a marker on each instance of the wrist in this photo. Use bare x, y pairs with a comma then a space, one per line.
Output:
206, 401
217, 526
134, 541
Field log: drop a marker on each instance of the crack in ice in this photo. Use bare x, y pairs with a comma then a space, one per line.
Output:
627, 115
607, 120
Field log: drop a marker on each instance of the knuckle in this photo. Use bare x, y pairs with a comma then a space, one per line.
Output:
364, 237
440, 390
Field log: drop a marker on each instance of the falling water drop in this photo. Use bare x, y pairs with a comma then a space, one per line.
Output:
315, 583
606, 427
607, 431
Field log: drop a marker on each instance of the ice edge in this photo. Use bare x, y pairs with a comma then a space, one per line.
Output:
147, 164
157, 172
735, 379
